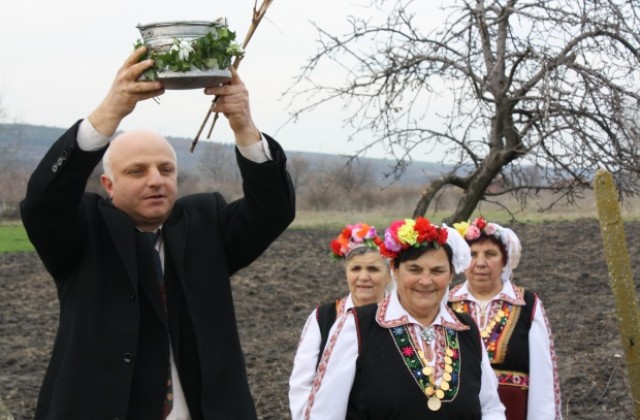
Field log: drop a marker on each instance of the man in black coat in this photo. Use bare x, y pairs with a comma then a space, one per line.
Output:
128, 327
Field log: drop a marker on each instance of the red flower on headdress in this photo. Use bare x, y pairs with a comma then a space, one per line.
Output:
443, 234
426, 231
480, 222
346, 232
336, 247
385, 252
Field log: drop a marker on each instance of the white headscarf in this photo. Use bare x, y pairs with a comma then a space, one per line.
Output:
461, 252
514, 249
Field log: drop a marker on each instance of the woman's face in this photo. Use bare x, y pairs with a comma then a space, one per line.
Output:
486, 267
367, 276
422, 284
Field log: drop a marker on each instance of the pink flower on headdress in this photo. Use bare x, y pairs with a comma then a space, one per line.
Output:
362, 231
390, 242
472, 233
490, 229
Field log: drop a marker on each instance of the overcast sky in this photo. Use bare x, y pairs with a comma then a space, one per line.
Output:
59, 58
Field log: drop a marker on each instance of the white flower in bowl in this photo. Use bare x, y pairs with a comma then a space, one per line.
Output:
184, 49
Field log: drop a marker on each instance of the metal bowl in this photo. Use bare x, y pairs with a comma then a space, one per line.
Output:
159, 36
193, 79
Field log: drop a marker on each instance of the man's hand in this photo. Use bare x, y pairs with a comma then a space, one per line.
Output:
233, 102
126, 91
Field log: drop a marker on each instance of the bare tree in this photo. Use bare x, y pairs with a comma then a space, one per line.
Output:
217, 162
9, 176
353, 176
522, 87
300, 171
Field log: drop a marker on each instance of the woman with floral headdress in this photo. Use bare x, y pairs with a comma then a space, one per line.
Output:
368, 278
411, 356
512, 322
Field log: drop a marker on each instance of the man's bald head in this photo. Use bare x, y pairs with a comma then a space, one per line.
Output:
140, 176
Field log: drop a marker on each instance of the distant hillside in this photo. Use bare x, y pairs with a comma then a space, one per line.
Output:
33, 141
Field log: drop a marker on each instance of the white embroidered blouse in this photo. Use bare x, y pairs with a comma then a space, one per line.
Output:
329, 396
306, 359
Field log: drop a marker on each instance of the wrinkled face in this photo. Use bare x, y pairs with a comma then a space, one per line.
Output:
143, 180
486, 267
367, 276
422, 284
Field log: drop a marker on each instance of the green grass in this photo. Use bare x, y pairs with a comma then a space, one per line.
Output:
334, 220
13, 238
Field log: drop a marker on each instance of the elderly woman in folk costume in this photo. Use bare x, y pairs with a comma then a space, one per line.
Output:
410, 356
512, 322
368, 278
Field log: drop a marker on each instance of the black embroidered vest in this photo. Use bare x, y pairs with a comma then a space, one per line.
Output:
384, 388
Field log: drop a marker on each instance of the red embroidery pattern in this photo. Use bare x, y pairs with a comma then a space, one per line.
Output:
322, 367
510, 378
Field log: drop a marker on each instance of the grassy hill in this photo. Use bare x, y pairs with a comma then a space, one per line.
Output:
32, 141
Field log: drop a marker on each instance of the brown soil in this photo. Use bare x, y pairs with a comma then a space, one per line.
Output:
562, 261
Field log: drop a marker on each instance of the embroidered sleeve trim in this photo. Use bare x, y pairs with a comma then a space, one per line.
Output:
322, 366
512, 378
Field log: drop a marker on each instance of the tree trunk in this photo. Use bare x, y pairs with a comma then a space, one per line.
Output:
430, 192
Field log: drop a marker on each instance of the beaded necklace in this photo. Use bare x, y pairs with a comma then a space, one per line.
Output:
498, 329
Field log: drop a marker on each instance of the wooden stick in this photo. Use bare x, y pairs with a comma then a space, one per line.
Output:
257, 16
620, 277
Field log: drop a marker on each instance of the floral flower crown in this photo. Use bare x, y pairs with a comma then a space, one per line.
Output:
471, 231
407, 233
355, 236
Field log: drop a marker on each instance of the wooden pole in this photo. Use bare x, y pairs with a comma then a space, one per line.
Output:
256, 18
4, 412
620, 278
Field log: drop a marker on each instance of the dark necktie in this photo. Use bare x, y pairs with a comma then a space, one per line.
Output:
153, 238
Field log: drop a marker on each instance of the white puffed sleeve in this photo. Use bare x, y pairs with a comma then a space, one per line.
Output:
304, 366
544, 389
329, 396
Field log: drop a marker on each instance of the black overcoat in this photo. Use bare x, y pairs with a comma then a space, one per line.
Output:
89, 248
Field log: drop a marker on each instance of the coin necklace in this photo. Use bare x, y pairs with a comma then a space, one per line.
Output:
417, 361
435, 394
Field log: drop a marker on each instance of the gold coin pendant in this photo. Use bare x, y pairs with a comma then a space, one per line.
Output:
434, 404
